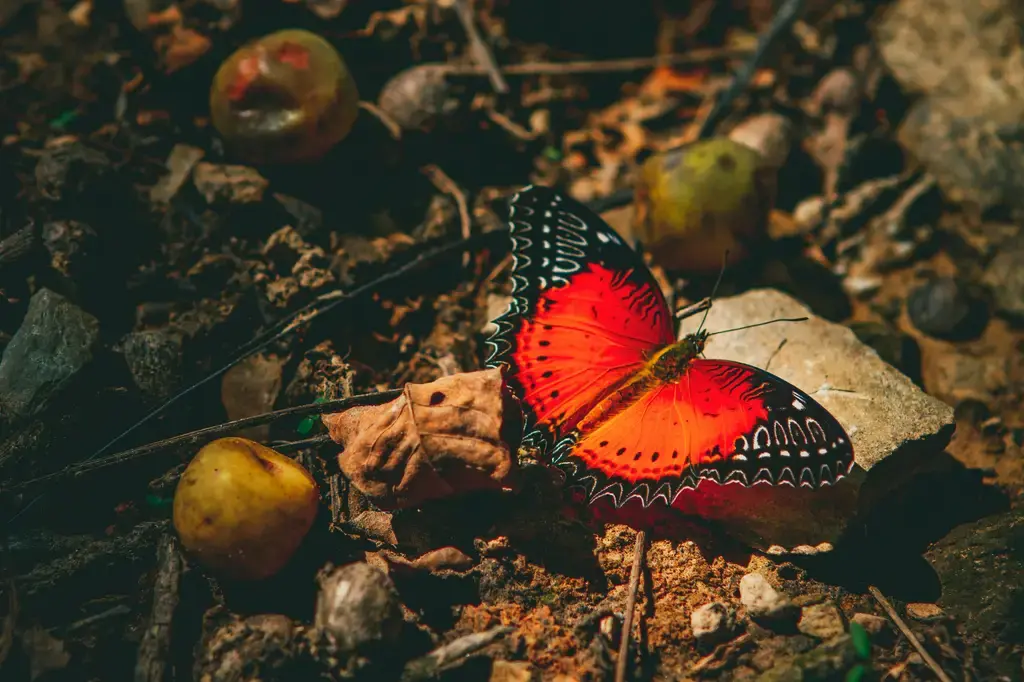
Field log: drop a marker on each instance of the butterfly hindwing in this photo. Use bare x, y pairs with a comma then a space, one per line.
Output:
585, 313
723, 421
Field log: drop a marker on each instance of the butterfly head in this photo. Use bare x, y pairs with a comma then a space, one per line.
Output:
669, 363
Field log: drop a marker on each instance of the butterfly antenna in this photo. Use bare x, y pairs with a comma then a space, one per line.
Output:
761, 324
714, 290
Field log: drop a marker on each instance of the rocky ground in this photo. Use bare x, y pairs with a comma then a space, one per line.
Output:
140, 256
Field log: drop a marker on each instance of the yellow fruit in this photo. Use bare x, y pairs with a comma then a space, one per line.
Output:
243, 509
695, 203
287, 97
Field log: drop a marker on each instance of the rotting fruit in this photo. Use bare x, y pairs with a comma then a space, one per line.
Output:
284, 98
243, 509
697, 203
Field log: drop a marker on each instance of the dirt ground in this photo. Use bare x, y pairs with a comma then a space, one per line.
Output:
160, 272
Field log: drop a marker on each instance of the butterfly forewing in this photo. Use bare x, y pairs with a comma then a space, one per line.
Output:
585, 313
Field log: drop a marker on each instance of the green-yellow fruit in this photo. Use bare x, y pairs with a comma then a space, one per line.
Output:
243, 509
697, 203
287, 97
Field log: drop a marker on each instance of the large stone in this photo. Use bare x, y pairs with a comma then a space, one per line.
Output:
963, 49
981, 566
893, 425
976, 158
55, 342
965, 56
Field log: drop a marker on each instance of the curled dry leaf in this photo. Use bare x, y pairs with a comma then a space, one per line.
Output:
436, 440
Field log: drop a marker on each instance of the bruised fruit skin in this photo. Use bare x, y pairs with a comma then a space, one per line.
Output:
243, 509
287, 97
695, 203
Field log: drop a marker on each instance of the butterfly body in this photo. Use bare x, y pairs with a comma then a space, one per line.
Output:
589, 347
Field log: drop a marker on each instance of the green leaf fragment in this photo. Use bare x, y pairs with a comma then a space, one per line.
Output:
856, 673
307, 423
861, 641
552, 154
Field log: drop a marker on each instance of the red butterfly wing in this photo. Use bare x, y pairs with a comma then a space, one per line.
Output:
585, 314
721, 420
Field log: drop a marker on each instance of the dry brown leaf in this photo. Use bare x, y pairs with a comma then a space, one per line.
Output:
45, 652
435, 440
180, 47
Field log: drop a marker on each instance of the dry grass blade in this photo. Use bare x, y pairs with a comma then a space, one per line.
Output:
627, 621
445, 184
481, 53
909, 634
193, 438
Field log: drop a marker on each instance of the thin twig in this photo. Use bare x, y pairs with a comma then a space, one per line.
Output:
782, 23
284, 447
481, 52
119, 610
445, 184
517, 131
394, 129
909, 634
600, 66
693, 309
156, 641
193, 438
427, 667
627, 619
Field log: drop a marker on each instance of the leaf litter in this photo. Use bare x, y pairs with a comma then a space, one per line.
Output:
468, 550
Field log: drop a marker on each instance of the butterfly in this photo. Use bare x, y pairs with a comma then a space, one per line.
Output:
588, 346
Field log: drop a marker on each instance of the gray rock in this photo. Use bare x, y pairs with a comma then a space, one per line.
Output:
962, 49
981, 566
823, 621
976, 159
946, 308
1005, 277
154, 359
712, 623
55, 341
762, 601
357, 607
887, 417
965, 56
826, 662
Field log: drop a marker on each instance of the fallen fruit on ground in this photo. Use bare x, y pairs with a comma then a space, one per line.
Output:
243, 509
286, 97
696, 203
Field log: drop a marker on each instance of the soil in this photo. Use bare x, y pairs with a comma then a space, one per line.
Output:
142, 261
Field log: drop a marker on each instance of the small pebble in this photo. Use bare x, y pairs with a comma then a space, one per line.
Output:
761, 599
823, 621
1005, 277
712, 623
943, 308
809, 211
417, 98
357, 606
924, 611
838, 91
56, 341
875, 626
770, 134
